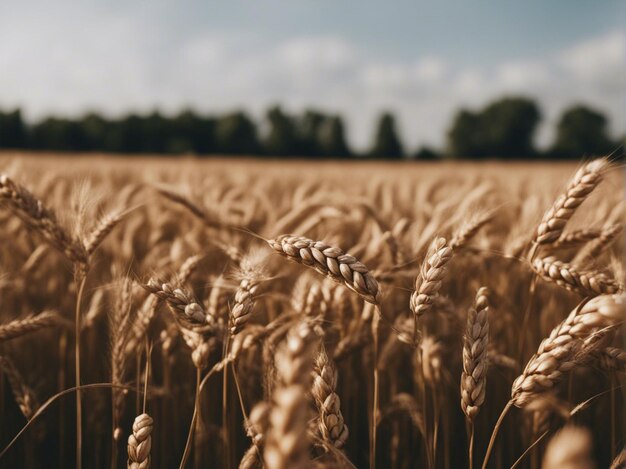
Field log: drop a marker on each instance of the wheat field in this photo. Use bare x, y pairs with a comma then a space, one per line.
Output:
242, 313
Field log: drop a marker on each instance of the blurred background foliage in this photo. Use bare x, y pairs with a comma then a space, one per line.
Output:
504, 129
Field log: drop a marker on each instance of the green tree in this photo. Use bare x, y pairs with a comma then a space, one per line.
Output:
95, 131
192, 133
464, 139
427, 154
282, 137
508, 126
59, 135
504, 129
308, 131
332, 140
236, 134
581, 131
13, 132
386, 142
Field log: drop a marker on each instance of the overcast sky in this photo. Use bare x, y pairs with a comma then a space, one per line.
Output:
421, 60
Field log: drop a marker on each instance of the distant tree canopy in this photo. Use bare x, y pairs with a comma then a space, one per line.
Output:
282, 138
12, 130
581, 131
386, 141
503, 129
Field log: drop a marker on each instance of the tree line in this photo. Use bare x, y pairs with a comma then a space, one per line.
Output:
505, 128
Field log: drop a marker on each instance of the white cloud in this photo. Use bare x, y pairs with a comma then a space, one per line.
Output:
120, 64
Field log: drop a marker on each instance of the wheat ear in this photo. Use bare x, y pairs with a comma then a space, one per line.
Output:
140, 443
468, 230
584, 236
566, 347
586, 283
21, 327
428, 283
256, 428
287, 444
24, 395
331, 424
570, 448
252, 275
582, 184
36, 216
104, 226
331, 262
612, 359
475, 361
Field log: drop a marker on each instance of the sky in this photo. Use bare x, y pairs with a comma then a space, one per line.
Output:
420, 60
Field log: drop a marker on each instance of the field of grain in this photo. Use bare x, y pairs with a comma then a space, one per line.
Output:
241, 313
